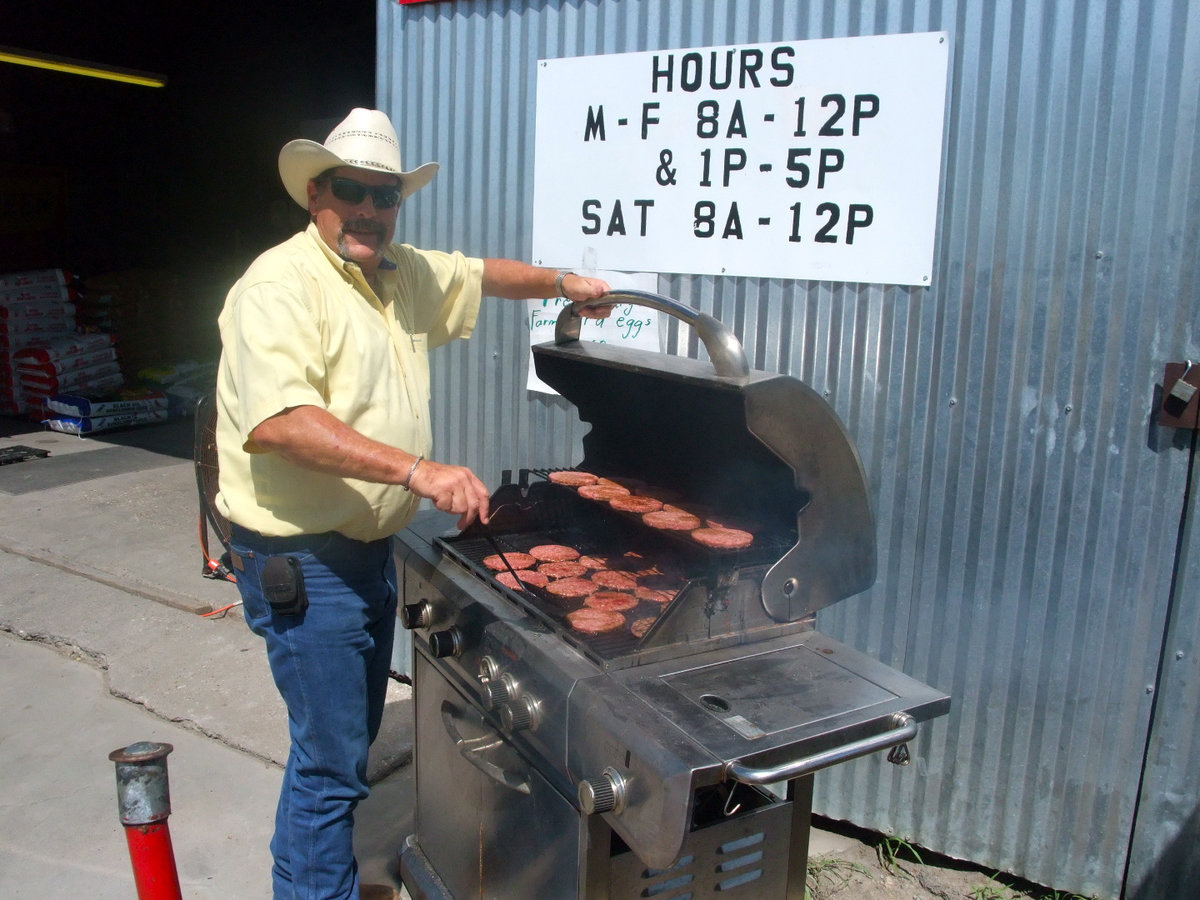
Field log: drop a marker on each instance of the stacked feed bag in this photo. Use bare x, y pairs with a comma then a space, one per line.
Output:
35, 307
73, 414
73, 364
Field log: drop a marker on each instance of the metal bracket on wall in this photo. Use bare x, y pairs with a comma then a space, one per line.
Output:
1181, 396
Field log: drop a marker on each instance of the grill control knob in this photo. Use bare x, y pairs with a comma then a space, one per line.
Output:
604, 793
498, 691
488, 669
521, 714
416, 615
446, 643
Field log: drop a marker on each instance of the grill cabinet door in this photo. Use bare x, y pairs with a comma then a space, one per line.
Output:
488, 823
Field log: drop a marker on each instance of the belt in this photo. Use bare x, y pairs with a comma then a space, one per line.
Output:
272, 544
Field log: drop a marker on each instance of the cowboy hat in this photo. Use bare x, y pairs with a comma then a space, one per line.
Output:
365, 139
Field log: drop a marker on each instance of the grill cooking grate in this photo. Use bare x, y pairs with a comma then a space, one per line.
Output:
471, 551
527, 515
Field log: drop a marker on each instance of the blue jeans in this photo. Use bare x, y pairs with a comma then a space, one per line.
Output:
331, 666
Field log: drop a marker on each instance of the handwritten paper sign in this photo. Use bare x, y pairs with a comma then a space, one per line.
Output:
629, 325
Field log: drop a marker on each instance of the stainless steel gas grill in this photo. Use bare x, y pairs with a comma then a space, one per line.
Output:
619, 690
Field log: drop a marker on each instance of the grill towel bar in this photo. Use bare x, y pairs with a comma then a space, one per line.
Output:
904, 729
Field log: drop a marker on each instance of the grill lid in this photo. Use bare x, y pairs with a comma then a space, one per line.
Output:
746, 444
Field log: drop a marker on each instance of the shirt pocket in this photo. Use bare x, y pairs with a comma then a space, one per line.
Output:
420, 367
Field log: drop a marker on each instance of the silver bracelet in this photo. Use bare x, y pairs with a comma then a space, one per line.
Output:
558, 291
407, 481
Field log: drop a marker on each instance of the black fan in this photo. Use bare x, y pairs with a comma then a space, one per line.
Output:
205, 457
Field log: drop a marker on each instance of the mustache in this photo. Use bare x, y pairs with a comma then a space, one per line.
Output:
363, 226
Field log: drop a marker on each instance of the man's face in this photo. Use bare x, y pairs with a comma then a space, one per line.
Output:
358, 232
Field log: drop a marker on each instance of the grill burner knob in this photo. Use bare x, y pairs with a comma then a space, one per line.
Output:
488, 669
519, 715
498, 691
446, 643
415, 615
604, 793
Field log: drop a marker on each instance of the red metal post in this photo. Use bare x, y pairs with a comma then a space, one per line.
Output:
144, 803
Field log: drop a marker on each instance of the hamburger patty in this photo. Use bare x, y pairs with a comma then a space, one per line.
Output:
595, 621
614, 581
672, 520
635, 504
613, 601
603, 491
527, 576
515, 559
553, 553
723, 538
564, 569
572, 478
571, 588
639, 627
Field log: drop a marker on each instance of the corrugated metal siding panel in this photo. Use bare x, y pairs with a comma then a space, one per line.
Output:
1043, 545
1026, 504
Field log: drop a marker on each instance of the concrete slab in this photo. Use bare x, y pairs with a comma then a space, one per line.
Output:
60, 834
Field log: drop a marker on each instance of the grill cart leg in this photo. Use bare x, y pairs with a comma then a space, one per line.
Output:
800, 792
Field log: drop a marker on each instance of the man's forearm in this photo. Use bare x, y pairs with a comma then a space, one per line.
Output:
514, 280
310, 437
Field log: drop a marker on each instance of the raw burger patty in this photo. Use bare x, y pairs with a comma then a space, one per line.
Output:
553, 553
723, 538
741, 523
613, 601
595, 621
565, 569
640, 626
635, 504
529, 577
654, 595
571, 588
666, 495
614, 581
632, 484
572, 478
669, 520
515, 559
603, 491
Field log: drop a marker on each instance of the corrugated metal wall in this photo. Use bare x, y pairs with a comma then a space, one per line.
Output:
1027, 503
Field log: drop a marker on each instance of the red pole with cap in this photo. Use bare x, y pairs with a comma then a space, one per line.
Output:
144, 803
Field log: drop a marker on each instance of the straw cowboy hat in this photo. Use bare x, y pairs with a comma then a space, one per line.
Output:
365, 139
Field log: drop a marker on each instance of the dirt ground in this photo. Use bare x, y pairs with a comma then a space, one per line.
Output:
867, 866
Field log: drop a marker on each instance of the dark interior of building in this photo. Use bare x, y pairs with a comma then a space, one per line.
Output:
177, 184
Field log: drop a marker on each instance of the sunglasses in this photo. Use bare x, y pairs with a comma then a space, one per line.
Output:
384, 196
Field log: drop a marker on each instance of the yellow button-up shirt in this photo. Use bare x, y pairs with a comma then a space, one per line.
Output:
302, 327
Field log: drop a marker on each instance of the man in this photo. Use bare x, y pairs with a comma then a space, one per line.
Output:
324, 443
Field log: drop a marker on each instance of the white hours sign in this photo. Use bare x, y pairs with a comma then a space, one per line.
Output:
811, 159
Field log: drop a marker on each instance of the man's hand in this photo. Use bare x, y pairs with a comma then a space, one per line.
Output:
453, 489
580, 289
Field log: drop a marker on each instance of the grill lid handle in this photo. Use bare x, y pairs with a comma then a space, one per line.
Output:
724, 349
